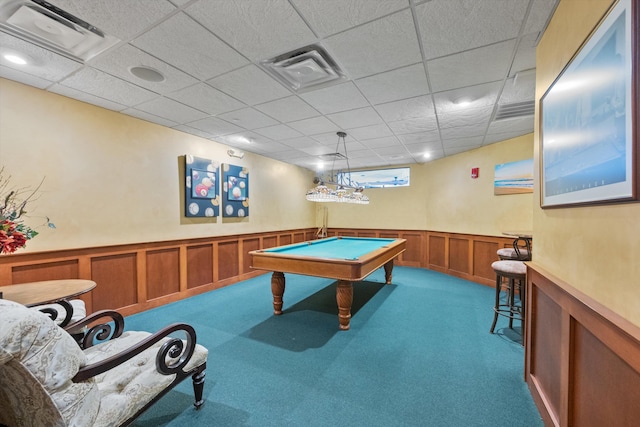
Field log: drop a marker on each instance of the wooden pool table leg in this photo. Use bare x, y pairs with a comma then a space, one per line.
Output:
388, 268
277, 289
344, 297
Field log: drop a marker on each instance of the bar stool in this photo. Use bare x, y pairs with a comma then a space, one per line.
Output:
521, 250
510, 276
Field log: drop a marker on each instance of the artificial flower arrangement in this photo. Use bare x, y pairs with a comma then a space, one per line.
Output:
14, 233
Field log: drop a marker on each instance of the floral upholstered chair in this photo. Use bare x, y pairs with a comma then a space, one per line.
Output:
48, 378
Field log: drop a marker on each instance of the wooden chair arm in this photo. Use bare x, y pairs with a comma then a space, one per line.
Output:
174, 348
101, 332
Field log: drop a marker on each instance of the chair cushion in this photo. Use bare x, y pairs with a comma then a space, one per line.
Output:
510, 267
37, 361
510, 253
126, 388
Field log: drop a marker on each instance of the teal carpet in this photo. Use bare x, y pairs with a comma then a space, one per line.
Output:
419, 353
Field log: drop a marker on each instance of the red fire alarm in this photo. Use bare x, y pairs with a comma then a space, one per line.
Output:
475, 172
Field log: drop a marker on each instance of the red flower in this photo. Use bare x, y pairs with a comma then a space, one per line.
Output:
10, 238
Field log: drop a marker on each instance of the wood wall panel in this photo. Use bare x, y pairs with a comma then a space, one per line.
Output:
437, 251
199, 265
459, 255
582, 361
298, 237
269, 242
116, 279
131, 277
228, 265
163, 273
484, 254
413, 255
546, 365
45, 271
284, 239
249, 245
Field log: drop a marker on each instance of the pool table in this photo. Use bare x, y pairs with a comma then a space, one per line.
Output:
345, 259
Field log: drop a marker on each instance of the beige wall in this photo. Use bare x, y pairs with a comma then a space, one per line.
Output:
595, 249
113, 179
444, 197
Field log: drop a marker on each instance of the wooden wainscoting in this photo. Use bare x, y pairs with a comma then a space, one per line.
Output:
136, 277
467, 256
582, 361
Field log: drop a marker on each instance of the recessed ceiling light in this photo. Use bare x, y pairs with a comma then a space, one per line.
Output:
147, 73
15, 59
427, 155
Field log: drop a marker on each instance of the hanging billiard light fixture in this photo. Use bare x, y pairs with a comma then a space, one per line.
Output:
345, 191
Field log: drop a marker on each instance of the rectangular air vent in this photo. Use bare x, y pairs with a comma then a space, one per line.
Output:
514, 110
52, 28
333, 156
304, 69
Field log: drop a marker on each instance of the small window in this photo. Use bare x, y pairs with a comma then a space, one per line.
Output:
377, 178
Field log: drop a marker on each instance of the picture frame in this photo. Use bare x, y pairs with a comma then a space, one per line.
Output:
589, 119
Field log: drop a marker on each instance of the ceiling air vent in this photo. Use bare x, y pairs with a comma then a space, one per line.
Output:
333, 156
304, 69
50, 27
515, 110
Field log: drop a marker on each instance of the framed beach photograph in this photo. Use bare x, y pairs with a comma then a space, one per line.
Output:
513, 178
589, 140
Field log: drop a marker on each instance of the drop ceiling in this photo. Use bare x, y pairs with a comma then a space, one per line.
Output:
418, 77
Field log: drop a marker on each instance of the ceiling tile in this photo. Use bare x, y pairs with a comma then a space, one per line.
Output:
278, 132
250, 85
370, 132
269, 27
313, 126
539, 15
387, 141
450, 144
428, 137
519, 89
467, 131
482, 65
248, 118
119, 61
86, 97
300, 142
356, 118
423, 124
469, 97
171, 110
498, 137
325, 18
189, 47
406, 82
149, 117
27, 79
455, 26
116, 20
288, 109
520, 124
336, 98
410, 108
207, 99
525, 58
378, 46
42, 63
465, 117
215, 126
106, 86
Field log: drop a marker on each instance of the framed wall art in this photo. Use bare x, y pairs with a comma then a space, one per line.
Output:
235, 188
513, 178
201, 187
589, 116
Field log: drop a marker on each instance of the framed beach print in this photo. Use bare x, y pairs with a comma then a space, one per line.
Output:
589, 115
